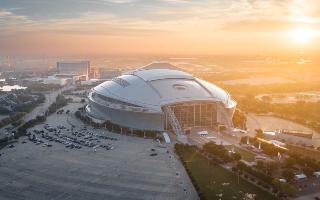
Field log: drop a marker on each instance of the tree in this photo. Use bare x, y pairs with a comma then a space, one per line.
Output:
260, 165
308, 171
266, 98
284, 187
236, 156
288, 189
290, 162
239, 119
271, 167
288, 174
217, 150
259, 133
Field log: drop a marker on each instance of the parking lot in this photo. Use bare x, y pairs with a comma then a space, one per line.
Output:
64, 159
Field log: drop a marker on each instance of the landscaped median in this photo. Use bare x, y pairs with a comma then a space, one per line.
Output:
212, 181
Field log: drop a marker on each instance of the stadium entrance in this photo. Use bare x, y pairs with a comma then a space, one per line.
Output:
193, 114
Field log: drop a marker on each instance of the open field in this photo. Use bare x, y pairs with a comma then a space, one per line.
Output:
257, 81
216, 182
272, 123
31, 171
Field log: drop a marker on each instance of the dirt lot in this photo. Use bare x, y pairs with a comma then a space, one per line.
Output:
273, 123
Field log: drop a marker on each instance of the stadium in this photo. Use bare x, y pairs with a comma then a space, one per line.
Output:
160, 97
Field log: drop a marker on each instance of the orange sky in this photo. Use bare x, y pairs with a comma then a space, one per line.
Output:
89, 27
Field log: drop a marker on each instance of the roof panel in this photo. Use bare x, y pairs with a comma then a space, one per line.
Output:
172, 89
156, 74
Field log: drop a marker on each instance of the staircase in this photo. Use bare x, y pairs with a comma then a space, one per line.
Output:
226, 118
173, 120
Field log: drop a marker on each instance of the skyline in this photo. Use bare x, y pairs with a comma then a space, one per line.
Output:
176, 27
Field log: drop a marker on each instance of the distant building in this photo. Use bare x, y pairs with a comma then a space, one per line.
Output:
270, 135
6, 66
57, 81
94, 73
74, 68
107, 73
90, 82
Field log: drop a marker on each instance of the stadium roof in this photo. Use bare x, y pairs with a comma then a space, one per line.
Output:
153, 88
160, 65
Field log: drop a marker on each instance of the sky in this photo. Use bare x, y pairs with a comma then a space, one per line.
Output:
169, 27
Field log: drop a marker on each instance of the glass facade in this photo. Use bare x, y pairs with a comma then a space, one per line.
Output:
197, 114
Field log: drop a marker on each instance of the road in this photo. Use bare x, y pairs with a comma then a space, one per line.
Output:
41, 109
50, 97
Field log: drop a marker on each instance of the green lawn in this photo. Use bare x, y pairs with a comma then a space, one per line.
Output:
210, 179
245, 154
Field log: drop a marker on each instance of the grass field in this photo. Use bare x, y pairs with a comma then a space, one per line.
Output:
216, 182
246, 155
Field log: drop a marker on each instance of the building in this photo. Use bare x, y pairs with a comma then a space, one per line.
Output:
160, 97
93, 72
57, 80
90, 82
106, 73
6, 66
76, 68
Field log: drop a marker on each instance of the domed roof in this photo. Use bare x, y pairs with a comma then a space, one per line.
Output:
152, 88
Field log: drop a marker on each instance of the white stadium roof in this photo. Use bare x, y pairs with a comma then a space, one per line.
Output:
155, 85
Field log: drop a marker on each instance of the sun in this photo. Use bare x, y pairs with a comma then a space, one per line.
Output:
302, 35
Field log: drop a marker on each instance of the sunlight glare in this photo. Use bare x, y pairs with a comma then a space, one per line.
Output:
302, 35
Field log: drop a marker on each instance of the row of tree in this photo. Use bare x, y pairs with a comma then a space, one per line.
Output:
239, 119
11, 119
267, 148
41, 87
60, 102
220, 152
279, 188
27, 103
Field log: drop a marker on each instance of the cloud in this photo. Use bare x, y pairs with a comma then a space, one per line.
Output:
261, 25
116, 1
9, 19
